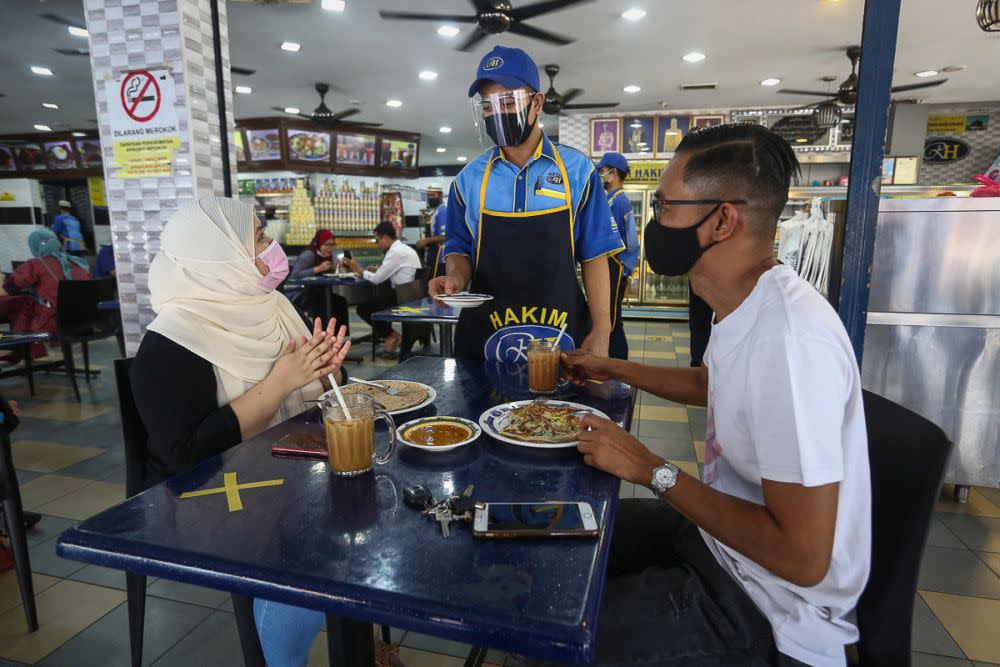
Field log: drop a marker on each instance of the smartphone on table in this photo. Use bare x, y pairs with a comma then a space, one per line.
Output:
301, 444
536, 519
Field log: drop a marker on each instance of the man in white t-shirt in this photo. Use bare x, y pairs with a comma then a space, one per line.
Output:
763, 561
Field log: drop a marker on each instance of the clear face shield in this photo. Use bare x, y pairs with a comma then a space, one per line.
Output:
502, 118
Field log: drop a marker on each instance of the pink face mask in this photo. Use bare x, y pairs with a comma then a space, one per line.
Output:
277, 264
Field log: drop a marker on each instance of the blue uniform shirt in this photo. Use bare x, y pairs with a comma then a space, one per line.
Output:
105, 262
537, 187
439, 224
624, 215
67, 228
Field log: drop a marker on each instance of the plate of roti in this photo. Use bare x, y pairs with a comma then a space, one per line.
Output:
416, 395
544, 424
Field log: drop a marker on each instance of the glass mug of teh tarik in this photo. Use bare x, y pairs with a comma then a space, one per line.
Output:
350, 434
543, 366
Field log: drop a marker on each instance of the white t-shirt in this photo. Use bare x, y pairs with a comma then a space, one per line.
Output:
399, 266
785, 405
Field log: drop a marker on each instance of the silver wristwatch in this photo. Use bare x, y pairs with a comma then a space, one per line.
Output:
664, 478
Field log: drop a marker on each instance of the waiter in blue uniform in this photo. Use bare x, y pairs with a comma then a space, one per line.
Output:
520, 218
433, 243
614, 169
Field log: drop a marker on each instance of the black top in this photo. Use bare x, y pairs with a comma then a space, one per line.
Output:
175, 393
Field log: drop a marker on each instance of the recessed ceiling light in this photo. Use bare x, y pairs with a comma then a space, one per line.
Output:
428, 75
953, 68
79, 134
41, 71
631, 89
448, 31
244, 90
291, 109
770, 82
444, 129
50, 105
633, 14
395, 104
440, 149
694, 57
334, 5
43, 128
291, 46
78, 32
926, 73
802, 140
461, 158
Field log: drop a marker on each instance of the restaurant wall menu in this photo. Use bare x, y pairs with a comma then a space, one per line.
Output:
309, 145
90, 152
241, 151
264, 145
30, 157
7, 158
59, 155
398, 154
356, 149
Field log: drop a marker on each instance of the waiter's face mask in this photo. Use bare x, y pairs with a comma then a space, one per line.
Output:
506, 118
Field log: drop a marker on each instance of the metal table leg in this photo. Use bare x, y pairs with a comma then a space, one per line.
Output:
447, 343
962, 493
328, 304
350, 642
28, 370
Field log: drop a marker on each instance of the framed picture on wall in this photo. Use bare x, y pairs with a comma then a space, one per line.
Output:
638, 136
669, 132
708, 121
356, 149
605, 136
398, 153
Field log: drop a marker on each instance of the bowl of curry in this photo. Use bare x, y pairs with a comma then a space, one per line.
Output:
438, 434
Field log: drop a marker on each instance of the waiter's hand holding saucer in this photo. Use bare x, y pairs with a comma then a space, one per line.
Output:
519, 220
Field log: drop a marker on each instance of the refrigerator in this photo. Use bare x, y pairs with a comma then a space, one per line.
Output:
648, 288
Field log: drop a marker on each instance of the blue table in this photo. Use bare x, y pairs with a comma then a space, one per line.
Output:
23, 341
351, 548
424, 311
353, 288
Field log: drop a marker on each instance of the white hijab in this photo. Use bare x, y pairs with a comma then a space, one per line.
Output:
203, 289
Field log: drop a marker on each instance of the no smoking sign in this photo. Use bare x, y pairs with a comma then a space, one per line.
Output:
145, 107
140, 96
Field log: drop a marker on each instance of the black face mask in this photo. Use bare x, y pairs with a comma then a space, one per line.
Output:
513, 128
672, 251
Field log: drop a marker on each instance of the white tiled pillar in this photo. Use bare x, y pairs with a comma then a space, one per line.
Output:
127, 35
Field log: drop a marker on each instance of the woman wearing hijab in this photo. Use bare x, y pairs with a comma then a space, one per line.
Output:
28, 296
315, 260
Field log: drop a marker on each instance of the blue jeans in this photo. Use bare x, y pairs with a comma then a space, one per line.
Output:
286, 632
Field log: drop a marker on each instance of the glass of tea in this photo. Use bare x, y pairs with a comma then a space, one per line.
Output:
350, 434
543, 366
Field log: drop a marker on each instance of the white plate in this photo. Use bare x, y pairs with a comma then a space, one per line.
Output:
431, 397
464, 300
498, 417
475, 432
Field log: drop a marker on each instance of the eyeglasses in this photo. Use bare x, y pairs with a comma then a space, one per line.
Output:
658, 203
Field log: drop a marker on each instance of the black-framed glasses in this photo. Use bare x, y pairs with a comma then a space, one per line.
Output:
658, 203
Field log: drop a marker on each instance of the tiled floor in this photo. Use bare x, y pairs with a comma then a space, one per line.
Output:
70, 465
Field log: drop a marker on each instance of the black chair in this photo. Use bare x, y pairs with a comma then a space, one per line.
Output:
907, 455
413, 332
13, 512
137, 480
14, 264
78, 320
384, 297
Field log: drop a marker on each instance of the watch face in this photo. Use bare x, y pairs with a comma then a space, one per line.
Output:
664, 478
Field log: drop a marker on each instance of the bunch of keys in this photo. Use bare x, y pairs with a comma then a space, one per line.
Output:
456, 508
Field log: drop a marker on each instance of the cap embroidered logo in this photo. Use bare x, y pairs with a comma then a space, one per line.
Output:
493, 64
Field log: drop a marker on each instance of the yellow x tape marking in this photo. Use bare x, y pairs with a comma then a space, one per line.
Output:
232, 490
409, 309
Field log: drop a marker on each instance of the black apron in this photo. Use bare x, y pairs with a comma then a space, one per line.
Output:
617, 343
527, 261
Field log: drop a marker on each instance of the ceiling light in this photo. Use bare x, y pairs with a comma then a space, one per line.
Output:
694, 57
78, 32
541, 124
802, 140
770, 82
461, 158
43, 128
428, 75
444, 129
926, 73
448, 31
291, 109
395, 104
953, 68
633, 14
41, 71
334, 5
79, 134
631, 89
636, 124
290, 46
440, 149
50, 105
244, 90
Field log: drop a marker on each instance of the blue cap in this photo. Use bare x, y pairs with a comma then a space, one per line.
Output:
616, 161
511, 68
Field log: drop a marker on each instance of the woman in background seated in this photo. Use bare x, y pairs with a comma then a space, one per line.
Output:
28, 296
316, 260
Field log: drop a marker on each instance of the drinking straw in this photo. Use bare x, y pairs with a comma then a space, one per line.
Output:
340, 397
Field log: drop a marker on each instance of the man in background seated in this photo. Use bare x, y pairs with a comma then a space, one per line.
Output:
68, 229
399, 266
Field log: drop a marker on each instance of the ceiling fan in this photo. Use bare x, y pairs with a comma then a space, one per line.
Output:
847, 92
494, 17
322, 114
555, 102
